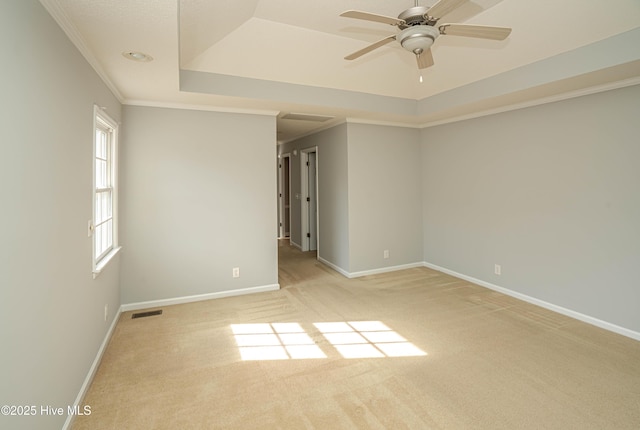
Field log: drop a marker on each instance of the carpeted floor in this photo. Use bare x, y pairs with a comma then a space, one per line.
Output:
436, 353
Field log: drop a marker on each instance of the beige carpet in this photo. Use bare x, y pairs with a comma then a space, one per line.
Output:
492, 362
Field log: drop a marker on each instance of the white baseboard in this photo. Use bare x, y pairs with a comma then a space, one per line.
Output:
369, 272
197, 298
92, 371
385, 270
559, 309
338, 269
151, 304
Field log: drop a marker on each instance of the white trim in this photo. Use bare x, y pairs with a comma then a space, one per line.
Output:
60, 16
198, 297
92, 370
559, 309
372, 271
197, 107
281, 205
304, 208
104, 261
352, 120
385, 269
103, 120
334, 267
150, 304
542, 101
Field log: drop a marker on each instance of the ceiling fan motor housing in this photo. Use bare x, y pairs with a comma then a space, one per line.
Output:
415, 16
418, 38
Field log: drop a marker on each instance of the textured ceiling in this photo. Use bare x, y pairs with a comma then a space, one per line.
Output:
286, 51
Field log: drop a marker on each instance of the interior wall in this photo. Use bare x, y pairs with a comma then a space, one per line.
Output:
51, 309
333, 234
551, 193
198, 199
369, 196
385, 202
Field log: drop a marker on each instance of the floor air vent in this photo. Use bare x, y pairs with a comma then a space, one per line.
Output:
146, 314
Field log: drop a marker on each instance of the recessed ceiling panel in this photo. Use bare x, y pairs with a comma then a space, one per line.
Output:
304, 42
204, 22
271, 51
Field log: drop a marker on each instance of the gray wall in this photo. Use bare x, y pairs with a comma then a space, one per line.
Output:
551, 193
385, 202
333, 197
333, 217
369, 180
198, 199
51, 309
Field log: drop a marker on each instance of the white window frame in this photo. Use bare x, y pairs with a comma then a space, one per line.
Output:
103, 122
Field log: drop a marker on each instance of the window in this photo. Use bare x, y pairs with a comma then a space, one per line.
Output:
104, 223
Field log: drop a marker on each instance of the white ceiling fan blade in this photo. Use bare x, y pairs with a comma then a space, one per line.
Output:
372, 17
425, 59
443, 7
370, 48
480, 31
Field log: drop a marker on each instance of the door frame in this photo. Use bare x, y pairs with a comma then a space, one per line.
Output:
304, 191
283, 158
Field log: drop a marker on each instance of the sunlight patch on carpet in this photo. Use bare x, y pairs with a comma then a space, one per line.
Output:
352, 339
367, 339
274, 341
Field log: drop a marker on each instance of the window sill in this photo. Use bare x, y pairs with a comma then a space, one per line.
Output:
105, 260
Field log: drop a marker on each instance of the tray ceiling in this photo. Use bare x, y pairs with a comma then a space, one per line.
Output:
290, 53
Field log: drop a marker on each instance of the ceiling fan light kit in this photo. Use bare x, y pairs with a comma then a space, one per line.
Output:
419, 31
417, 39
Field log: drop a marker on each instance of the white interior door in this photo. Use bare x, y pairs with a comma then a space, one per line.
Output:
309, 204
284, 197
313, 202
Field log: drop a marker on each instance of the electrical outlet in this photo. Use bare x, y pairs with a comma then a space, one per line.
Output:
236, 272
106, 311
497, 269
385, 254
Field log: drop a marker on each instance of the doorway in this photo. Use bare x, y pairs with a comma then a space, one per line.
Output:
309, 206
284, 197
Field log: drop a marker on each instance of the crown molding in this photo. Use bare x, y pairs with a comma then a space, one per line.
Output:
541, 101
60, 16
200, 107
355, 120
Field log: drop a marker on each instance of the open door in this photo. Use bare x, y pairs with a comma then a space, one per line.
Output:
309, 206
313, 202
284, 196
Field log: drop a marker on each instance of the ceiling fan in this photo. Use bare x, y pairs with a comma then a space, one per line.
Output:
419, 29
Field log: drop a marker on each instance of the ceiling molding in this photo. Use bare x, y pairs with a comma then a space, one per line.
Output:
58, 14
610, 52
200, 107
542, 101
526, 74
351, 120
250, 88
296, 116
